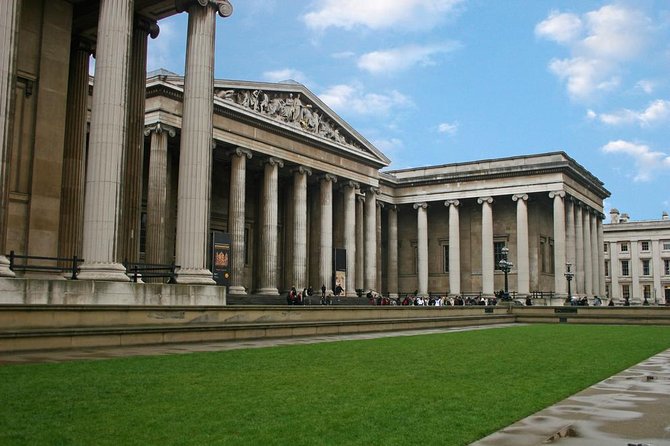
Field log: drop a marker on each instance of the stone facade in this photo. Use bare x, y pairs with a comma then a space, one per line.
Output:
270, 164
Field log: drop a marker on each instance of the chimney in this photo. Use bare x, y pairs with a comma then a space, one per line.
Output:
614, 215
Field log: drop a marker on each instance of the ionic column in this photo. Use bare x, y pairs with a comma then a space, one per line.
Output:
523, 252
370, 263
392, 273
360, 242
300, 175
237, 218
195, 159
106, 141
588, 260
269, 215
578, 284
74, 153
487, 245
157, 193
131, 204
601, 257
454, 248
326, 233
378, 253
349, 189
10, 13
595, 250
570, 237
560, 285
422, 247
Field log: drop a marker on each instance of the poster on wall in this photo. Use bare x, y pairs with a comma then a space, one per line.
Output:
221, 258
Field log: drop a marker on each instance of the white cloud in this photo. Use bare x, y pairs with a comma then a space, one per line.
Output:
284, 75
647, 162
402, 58
601, 43
352, 98
559, 27
379, 14
657, 112
388, 146
646, 85
448, 128
343, 55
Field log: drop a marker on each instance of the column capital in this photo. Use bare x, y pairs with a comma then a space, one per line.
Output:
241, 151
360, 198
223, 7
147, 25
328, 177
422, 205
372, 190
272, 161
517, 197
454, 203
380, 204
482, 200
351, 184
557, 193
302, 170
159, 128
392, 207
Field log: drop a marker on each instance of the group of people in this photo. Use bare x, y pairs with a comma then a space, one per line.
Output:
295, 297
437, 301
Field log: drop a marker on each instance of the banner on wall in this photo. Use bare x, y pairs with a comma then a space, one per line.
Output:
221, 258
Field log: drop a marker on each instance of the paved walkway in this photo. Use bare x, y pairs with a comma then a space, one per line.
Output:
631, 408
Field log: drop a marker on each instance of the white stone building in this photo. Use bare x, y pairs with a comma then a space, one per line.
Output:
637, 259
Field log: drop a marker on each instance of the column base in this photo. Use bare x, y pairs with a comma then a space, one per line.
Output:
393, 295
4, 268
268, 291
114, 272
194, 277
237, 290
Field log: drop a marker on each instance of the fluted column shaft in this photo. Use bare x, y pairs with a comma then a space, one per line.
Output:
454, 248
422, 247
350, 236
570, 236
300, 227
601, 256
588, 259
236, 218
392, 278
595, 250
129, 229
10, 13
74, 155
523, 252
560, 285
370, 239
106, 141
269, 218
326, 232
378, 245
487, 245
157, 211
578, 285
195, 158
360, 242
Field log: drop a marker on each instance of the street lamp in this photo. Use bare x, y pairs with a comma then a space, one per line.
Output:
505, 267
569, 275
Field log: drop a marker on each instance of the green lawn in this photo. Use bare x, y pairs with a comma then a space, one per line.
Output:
447, 389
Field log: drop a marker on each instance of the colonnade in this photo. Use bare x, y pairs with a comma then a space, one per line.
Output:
577, 240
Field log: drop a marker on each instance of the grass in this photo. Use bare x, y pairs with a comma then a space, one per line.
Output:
447, 389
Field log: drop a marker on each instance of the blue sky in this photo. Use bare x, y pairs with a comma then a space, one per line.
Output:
442, 81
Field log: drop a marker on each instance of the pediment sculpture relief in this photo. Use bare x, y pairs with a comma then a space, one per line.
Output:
290, 109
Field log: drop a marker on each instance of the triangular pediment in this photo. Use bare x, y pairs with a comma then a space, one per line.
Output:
293, 106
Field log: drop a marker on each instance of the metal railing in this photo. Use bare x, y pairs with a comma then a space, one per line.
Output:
67, 264
141, 271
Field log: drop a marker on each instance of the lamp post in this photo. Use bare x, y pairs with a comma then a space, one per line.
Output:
505, 266
569, 275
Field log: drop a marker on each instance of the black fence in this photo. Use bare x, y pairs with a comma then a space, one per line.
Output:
68, 265
141, 271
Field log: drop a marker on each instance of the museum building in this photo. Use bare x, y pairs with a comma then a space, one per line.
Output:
131, 168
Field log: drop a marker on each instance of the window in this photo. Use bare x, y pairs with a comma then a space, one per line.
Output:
666, 267
646, 291
624, 247
445, 258
644, 245
666, 246
625, 291
605, 246
607, 268
646, 268
498, 254
624, 268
